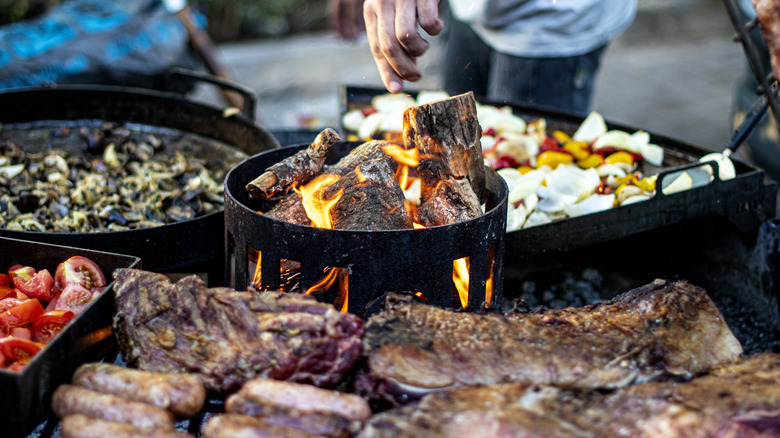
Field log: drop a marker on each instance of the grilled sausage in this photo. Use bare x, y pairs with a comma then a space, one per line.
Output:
82, 426
306, 398
235, 425
318, 423
182, 394
70, 399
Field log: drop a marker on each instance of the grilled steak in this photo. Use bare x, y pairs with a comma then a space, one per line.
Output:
740, 400
227, 337
657, 330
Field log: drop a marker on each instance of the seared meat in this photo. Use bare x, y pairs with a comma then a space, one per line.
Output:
226, 337
182, 394
660, 329
740, 400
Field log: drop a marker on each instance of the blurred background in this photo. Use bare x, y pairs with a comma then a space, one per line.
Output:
676, 71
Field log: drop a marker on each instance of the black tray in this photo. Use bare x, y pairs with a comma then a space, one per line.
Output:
745, 201
26, 395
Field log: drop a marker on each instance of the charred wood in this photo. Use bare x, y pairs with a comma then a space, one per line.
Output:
371, 199
448, 202
447, 135
295, 170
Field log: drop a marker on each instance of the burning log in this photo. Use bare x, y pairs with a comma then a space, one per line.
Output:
447, 134
297, 169
371, 188
374, 184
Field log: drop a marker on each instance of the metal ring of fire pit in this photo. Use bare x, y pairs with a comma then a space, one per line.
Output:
378, 261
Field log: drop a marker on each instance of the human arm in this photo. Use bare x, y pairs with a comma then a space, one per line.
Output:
391, 27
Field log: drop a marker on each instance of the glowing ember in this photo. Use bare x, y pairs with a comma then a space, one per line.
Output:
314, 202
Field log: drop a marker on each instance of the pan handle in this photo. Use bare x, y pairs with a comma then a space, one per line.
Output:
247, 95
677, 171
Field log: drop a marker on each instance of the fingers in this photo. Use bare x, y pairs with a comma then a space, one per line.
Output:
346, 18
428, 16
391, 27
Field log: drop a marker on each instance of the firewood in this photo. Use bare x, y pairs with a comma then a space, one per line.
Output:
450, 201
295, 170
371, 199
290, 208
447, 135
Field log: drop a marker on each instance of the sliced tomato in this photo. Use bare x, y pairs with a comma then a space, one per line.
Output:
74, 298
6, 291
22, 332
53, 303
16, 366
21, 315
7, 303
79, 270
6, 280
18, 349
35, 284
46, 326
2, 360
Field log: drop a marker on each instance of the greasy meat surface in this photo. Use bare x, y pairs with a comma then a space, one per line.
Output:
740, 400
657, 330
227, 337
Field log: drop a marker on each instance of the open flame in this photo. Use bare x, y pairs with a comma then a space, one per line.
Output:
318, 208
460, 278
314, 202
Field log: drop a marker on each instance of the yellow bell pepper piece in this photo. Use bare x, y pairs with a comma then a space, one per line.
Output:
561, 136
577, 148
646, 184
524, 169
592, 160
553, 159
620, 157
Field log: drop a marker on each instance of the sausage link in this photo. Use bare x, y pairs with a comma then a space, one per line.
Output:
82, 426
235, 425
317, 423
306, 398
182, 394
70, 399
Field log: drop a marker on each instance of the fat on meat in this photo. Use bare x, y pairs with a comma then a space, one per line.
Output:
227, 337
662, 329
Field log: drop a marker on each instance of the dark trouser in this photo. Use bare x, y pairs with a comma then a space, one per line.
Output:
564, 83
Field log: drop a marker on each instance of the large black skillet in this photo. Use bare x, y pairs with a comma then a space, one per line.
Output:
191, 246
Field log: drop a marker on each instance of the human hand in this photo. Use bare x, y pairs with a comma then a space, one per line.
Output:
391, 27
346, 18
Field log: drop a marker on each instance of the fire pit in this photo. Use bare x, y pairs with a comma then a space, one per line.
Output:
415, 261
